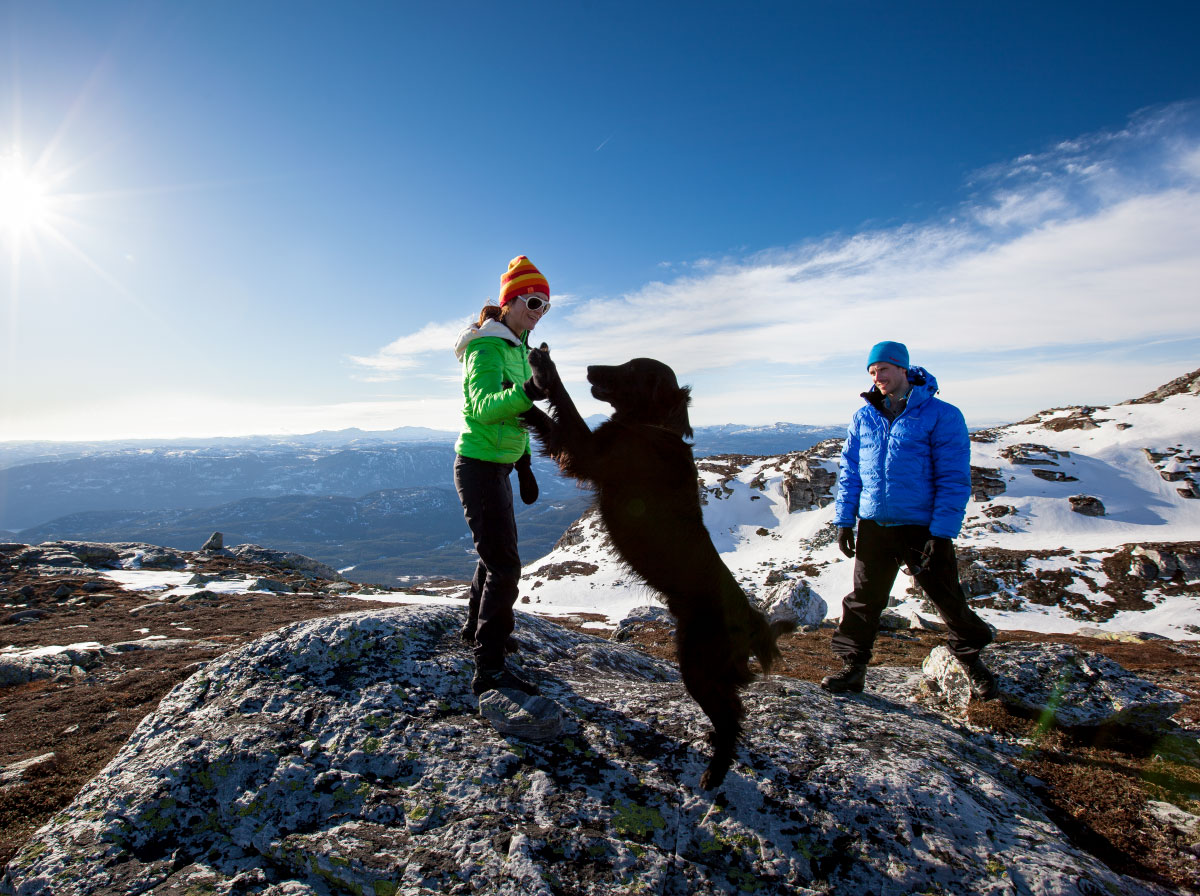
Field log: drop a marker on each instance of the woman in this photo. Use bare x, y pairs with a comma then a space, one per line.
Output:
494, 355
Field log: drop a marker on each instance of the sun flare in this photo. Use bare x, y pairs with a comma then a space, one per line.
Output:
25, 200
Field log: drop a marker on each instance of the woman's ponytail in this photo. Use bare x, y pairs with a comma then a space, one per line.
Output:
490, 312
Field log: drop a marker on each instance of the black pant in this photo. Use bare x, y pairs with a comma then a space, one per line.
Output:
880, 552
487, 501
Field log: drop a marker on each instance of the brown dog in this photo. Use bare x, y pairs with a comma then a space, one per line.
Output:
648, 494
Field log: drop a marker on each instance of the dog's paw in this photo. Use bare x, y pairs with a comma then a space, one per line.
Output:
714, 775
545, 373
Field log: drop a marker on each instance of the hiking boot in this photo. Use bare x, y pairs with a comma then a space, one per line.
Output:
983, 682
851, 679
467, 634
499, 679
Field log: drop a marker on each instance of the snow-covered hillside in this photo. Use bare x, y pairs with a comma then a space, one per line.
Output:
1081, 517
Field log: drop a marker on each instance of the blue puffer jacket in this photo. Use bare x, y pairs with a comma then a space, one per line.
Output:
914, 470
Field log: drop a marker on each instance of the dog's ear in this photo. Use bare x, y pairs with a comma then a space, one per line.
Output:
677, 412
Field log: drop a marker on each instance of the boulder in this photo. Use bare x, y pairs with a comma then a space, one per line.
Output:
1142, 567
1162, 564
794, 601
1126, 637
640, 618
272, 585
918, 622
1053, 475
891, 621
1067, 687
995, 511
305, 566
150, 556
216, 542
24, 616
14, 773
38, 663
1189, 565
521, 715
1087, 505
977, 579
347, 755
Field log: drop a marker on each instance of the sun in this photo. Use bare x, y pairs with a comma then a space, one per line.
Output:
26, 202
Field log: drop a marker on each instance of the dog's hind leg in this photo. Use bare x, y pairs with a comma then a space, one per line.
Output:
705, 664
723, 707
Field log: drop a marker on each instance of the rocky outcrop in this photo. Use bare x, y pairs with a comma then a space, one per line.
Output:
1063, 419
67, 556
1029, 454
346, 755
75, 660
986, 483
812, 477
1188, 384
1090, 586
1177, 465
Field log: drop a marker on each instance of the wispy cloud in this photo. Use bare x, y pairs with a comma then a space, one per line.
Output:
1083, 250
409, 352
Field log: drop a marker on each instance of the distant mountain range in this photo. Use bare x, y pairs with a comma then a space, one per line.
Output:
381, 502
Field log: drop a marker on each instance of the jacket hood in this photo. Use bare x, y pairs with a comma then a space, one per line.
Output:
923, 385
490, 328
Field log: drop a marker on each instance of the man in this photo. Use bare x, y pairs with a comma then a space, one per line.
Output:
906, 478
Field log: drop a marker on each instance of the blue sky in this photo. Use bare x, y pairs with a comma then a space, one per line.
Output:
268, 217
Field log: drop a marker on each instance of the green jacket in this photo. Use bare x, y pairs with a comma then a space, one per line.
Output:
492, 431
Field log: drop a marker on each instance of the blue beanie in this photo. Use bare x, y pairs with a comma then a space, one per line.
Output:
891, 352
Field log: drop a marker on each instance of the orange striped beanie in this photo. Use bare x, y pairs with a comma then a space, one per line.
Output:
521, 279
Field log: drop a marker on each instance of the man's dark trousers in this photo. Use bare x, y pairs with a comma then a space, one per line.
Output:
486, 495
880, 550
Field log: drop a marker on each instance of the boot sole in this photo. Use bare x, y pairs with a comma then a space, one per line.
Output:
836, 689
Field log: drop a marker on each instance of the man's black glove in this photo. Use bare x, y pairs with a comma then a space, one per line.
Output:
528, 485
846, 540
932, 548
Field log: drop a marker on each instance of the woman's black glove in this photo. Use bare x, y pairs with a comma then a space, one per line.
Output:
529, 387
528, 485
532, 390
846, 540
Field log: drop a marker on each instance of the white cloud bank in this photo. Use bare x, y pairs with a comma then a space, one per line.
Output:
1068, 276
